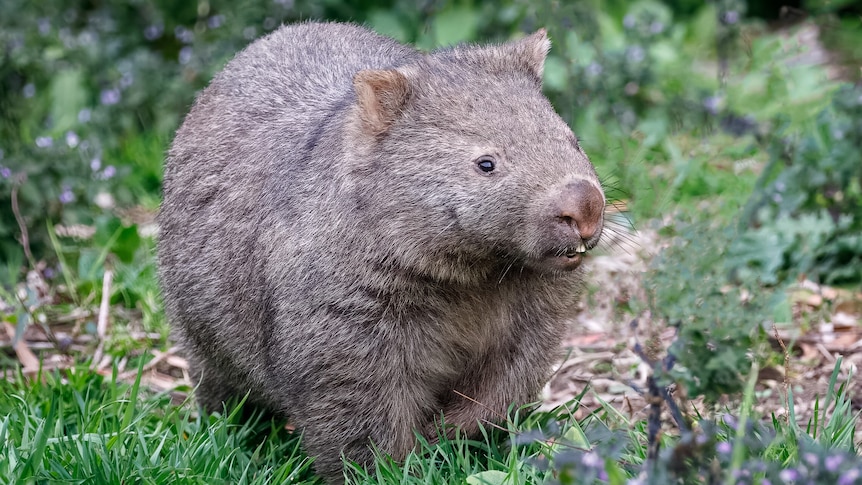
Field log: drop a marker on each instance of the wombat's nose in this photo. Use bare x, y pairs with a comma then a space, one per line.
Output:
581, 206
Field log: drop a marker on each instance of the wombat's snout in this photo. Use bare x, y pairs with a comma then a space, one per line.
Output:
578, 211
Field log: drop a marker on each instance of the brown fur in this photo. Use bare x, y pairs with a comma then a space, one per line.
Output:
329, 242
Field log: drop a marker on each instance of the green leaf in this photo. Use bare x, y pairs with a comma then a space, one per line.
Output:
577, 437
454, 25
490, 477
68, 97
556, 73
387, 23
127, 243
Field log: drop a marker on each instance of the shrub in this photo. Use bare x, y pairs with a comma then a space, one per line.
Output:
805, 215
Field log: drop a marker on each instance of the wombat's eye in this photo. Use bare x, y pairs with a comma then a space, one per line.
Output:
486, 164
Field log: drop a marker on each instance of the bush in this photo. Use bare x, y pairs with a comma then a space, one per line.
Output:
805, 215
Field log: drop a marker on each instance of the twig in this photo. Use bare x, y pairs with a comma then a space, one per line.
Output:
102, 323
674, 409
654, 421
46, 330
786, 372
157, 357
22, 226
25, 355
104, 306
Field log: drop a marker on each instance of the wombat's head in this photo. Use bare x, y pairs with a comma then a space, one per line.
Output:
472, 163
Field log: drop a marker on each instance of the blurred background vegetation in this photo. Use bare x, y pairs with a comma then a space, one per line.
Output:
91, 92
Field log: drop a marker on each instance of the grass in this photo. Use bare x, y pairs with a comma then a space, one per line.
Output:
78, 426
82, 427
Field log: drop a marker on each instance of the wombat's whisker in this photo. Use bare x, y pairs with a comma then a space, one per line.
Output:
445, 228
512, 261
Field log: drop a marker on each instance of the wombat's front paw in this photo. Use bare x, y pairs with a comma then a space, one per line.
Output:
454, 423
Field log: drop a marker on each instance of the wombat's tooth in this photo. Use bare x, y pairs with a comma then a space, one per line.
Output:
581, 248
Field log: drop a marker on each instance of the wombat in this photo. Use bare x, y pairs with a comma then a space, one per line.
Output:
358, 234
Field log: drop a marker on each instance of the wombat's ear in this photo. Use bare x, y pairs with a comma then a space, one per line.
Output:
381, 96
531, 51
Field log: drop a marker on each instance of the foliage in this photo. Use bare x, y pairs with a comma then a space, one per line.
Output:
718, 319
92, 92
83, 427
806, 212
92, 95
729, 450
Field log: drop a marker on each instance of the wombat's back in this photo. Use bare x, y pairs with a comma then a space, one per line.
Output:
280, 91
241, 158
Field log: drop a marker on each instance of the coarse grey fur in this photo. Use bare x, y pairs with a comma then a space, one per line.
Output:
329, 242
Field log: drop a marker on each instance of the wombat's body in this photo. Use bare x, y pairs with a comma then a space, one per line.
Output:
333, 241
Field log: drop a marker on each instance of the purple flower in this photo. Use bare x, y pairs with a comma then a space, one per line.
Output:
126, 80
712, 104
594, 69
635, 54
95, 164
66, 196
849, 477
591, 459
832, 462
729, 421
731, 17
84, 115
628, 21
185, 55
184, 35
789, 475
724, 447
110, 96
72, 139
5, 172
29, 90
153, 32
215, 21
109, 172
44, 25
44, 141
656, 27
87, 37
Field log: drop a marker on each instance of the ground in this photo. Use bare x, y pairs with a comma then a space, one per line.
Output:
825, 328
